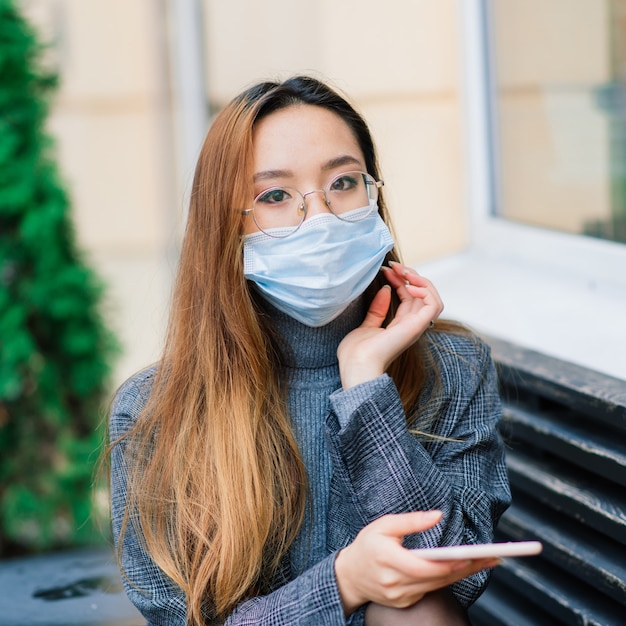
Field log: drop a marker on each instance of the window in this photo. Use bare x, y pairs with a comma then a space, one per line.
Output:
558, 72
545, 102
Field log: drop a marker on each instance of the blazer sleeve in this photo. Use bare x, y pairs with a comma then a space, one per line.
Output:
310, 599
380, 467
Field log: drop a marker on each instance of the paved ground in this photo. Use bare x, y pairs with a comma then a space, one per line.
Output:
77, 588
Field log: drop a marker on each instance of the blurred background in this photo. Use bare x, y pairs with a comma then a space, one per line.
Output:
499, 123
140, 82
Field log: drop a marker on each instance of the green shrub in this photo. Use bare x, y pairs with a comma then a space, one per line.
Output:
55, 350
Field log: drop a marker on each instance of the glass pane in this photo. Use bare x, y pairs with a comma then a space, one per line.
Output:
560, 107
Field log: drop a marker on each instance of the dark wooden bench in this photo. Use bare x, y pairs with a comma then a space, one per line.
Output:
566, 432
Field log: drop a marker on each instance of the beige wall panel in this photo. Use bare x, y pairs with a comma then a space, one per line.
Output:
536, 41
105, 49
110, 121
247, 41
360, 46
554, 159
382, 57
111, 163
392, 48
421, 156
137, 306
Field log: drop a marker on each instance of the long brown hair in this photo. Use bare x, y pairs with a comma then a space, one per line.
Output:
217, 483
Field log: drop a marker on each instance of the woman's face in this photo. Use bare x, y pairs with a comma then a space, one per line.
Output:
302, 147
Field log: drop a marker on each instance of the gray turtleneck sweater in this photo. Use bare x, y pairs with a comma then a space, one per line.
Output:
362, 462
312, 378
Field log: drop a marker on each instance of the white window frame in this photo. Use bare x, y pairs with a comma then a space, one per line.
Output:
561, 294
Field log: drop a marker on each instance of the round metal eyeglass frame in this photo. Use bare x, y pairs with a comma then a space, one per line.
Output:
301, 207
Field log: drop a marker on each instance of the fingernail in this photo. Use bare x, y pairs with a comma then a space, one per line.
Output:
392, 263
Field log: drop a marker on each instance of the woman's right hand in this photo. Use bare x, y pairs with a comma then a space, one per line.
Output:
367, 351
375, 567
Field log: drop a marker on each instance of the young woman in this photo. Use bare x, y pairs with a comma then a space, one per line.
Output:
308, 422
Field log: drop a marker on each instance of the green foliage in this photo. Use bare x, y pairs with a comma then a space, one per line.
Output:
55, 350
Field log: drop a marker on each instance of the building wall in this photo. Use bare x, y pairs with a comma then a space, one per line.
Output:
399, 63
111, 120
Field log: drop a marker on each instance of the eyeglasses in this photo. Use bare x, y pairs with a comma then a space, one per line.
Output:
280, 211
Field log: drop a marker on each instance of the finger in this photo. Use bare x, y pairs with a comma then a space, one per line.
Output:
417, 570
447, 571
410, 286
378, 308
402, 274
428, 296
466, 568
397, 282
420, 282
406, 292
402, 524
416, 281
419, 287
405, 271
419, 573
398, 277
416, 292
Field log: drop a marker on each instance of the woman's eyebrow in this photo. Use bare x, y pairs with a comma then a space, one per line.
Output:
344, 159
269, 174
331, 164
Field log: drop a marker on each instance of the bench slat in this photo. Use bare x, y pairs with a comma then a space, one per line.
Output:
502, 605
592, 450
573, 386
559, 594
598, 504
587, 555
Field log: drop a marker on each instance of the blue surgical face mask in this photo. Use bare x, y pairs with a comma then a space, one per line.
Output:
315, 273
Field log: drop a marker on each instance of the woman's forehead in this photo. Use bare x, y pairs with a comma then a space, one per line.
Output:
302, 134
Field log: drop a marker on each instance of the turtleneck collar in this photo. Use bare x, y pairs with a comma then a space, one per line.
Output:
309, 347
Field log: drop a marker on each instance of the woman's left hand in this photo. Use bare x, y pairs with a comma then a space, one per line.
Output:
367, 351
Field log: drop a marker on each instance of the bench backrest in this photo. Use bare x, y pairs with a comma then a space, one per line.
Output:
566, 432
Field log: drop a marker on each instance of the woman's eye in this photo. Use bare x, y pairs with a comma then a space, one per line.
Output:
274, 196
345, 182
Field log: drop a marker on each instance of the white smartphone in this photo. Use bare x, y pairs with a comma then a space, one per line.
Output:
480, 551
